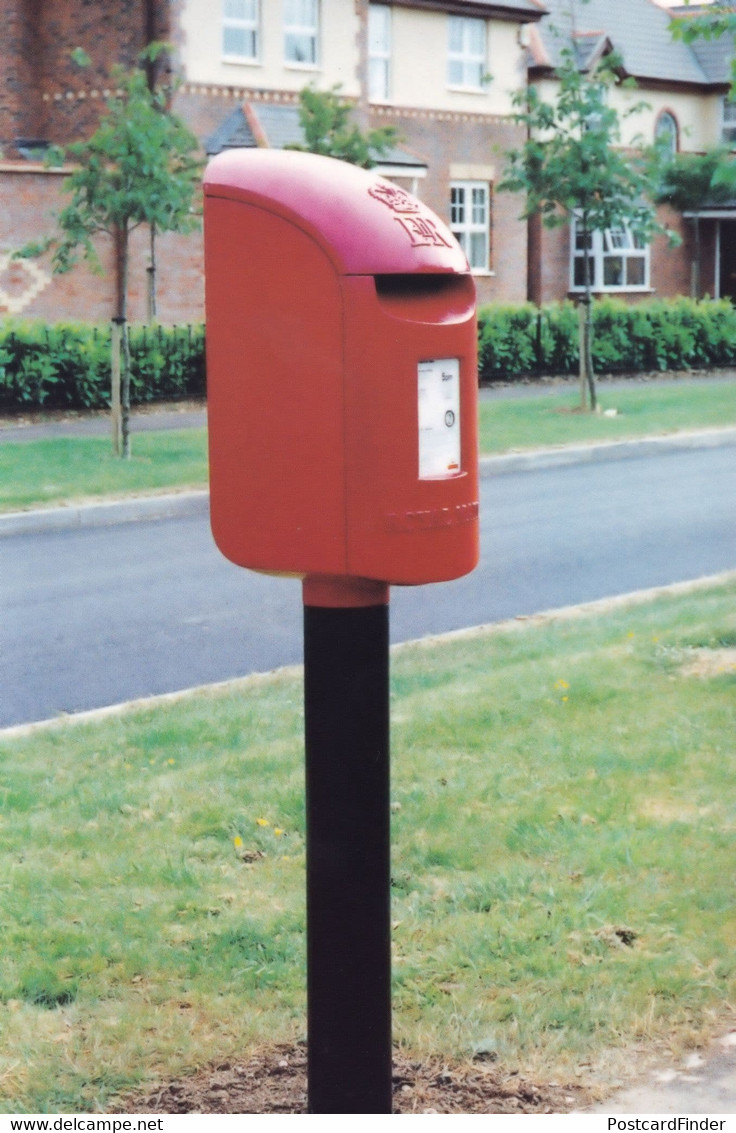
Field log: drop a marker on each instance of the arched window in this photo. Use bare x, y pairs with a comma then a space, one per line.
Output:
666, 132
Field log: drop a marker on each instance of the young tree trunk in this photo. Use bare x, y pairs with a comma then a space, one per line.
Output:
121, 264
695, 266
585, 344
589, 353
125, 394
115, 413
152, 277
582, 354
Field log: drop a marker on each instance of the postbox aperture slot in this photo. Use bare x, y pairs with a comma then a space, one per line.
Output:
426, 298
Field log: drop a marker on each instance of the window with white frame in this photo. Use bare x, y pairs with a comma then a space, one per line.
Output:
240, 30
379, 52
470, 221
466, 55
301, 32
618, 260
728, 122
666, 132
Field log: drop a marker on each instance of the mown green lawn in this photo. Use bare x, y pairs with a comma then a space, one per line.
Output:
564, 813
642, 410
46, 472
63, 469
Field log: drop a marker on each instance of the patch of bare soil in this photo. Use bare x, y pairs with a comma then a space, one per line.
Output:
710, 662
62, 416
275, 1081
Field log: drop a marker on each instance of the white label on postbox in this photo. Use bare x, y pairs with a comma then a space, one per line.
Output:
439, 418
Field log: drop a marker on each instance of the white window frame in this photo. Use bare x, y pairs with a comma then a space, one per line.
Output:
470, 216
613, 244
301, 25
728, 121
469, 58
379, 52
250, 24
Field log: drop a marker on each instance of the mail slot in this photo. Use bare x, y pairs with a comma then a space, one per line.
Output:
341, 374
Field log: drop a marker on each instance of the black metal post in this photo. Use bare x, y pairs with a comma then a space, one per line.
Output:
346, 702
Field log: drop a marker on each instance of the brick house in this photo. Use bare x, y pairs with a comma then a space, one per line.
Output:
685, 91
442, 72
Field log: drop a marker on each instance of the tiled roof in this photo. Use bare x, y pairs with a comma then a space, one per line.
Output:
590, 47
714, 56
279, 127
639, 31
518, 10
280, 124
232, 133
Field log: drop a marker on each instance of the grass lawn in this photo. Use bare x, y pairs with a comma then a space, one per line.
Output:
60, 469
646, 409
37, 473
563, 831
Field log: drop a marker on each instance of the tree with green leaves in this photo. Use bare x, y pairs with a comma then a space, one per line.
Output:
688, 181
328, 129
140, 166
572, 168
713, 22
716, 20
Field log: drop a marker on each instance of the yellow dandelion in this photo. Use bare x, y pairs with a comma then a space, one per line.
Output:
237, 842
171, 762
278, 831
263, 822
561, 684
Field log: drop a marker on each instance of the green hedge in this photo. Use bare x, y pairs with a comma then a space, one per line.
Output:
67, 365
659, 334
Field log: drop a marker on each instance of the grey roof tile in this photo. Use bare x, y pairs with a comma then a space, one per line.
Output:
714, 57
638, 30
281, 127
280, 124
516, 9
232, 133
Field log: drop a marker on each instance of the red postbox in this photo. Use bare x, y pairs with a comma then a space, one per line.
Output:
341, 374
341, 388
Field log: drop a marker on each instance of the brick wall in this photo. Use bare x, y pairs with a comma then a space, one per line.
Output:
443, 139
43, 93
28, 201
19, 76
669, 267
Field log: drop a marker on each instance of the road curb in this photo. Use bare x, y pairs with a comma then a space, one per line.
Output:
136, 509
130, 510
520, 623
606, 451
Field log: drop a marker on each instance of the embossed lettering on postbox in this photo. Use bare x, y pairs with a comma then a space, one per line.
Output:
419, 227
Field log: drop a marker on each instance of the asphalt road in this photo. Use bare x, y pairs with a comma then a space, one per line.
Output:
95, 616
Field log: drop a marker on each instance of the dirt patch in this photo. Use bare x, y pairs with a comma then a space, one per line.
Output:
275, 1081
709, 662
63, 416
